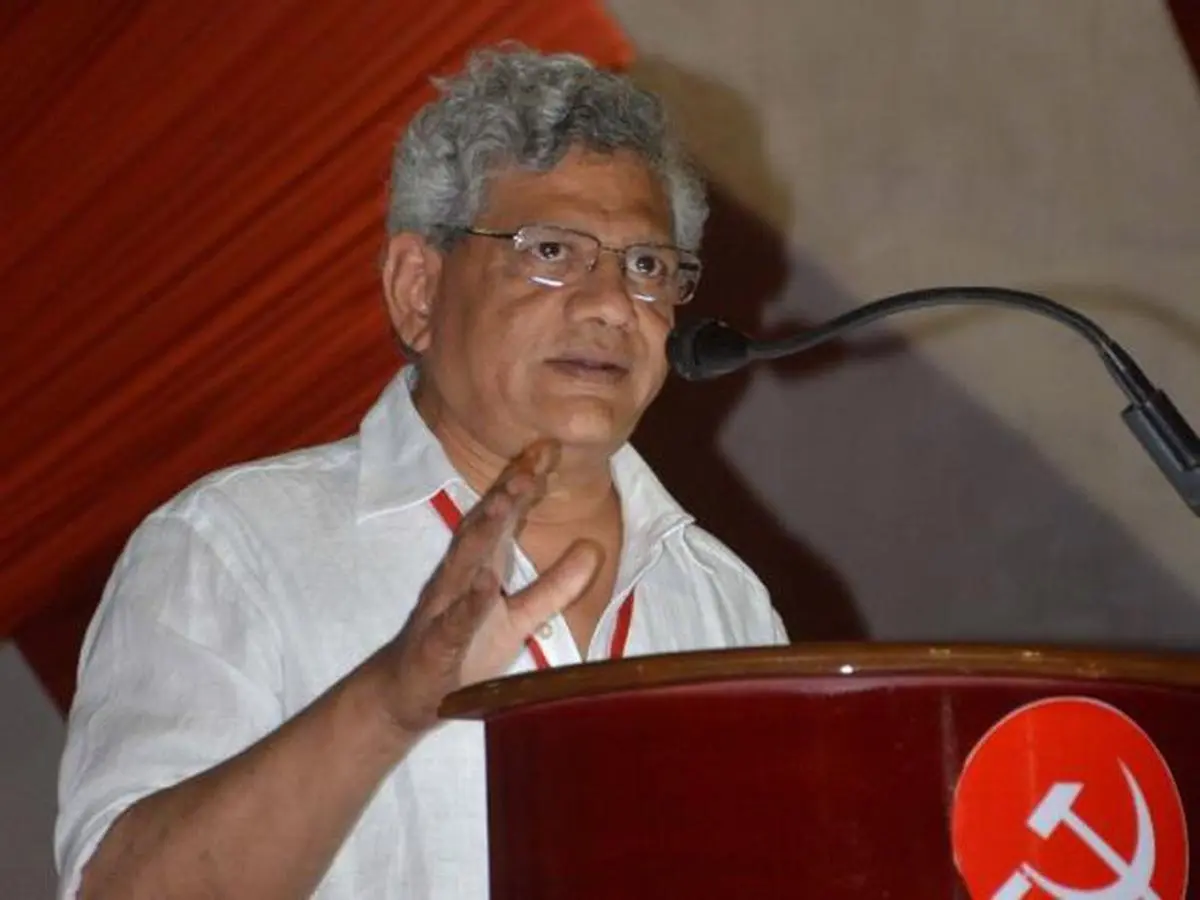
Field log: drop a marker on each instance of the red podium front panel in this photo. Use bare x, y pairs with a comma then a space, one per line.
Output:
917, 780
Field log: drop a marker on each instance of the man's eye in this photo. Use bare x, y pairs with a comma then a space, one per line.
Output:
647, 265
549, 251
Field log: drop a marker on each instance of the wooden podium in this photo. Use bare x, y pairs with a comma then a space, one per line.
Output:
838, 771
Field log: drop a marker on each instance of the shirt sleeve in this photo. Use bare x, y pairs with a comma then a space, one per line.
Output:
180, 670
779, 633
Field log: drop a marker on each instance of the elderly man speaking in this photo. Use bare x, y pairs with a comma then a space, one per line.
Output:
257, 706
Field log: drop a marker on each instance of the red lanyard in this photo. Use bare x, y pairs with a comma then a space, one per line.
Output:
452, 516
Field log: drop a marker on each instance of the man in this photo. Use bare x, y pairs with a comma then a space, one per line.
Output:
257, 707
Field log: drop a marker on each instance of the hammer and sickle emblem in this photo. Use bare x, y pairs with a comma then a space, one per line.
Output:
1133, 875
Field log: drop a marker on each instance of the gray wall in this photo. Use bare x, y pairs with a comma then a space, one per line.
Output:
31, 740
969, 478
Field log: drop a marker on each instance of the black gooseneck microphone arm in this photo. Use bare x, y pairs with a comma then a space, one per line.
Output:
708, 348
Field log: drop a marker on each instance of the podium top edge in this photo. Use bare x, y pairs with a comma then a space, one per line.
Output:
849, 661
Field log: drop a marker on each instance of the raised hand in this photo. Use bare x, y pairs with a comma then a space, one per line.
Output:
463, 628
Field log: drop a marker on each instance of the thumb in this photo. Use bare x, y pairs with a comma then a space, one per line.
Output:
558, 587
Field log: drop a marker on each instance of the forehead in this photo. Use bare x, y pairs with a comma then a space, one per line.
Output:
615, 196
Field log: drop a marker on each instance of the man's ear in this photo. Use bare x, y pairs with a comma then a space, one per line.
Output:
411, 271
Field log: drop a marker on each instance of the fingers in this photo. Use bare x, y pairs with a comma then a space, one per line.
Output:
525, 478
484, 539
461, 619
449, 640
558, 587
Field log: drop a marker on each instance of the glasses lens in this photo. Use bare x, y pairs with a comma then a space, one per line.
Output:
666, 274
553, 255
653, 272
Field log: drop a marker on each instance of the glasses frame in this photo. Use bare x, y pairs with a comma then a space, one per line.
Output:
688, 261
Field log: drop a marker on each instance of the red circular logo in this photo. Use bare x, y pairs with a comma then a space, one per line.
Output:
1068, 798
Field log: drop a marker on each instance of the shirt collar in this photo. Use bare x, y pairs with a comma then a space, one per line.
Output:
403, 464
648, 511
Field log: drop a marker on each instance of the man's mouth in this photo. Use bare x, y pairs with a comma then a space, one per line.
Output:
589, 367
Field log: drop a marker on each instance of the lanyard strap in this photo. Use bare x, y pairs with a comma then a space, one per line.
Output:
452, 516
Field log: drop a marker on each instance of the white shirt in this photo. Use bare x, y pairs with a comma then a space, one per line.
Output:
253, 591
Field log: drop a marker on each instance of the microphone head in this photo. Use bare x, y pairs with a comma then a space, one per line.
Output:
706, 348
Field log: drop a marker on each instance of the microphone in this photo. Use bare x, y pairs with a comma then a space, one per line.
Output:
708, 348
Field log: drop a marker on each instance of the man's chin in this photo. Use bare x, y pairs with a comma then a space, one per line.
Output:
587, 427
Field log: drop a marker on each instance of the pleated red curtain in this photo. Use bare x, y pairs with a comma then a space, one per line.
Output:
191, 213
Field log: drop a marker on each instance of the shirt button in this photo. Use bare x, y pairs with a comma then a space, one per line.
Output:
546, 632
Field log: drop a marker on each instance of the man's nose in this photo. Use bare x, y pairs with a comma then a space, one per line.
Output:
604, 293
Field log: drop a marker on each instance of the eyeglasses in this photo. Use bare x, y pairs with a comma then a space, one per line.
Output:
554, 256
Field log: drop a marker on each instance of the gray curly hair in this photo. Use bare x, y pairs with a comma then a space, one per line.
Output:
514, 106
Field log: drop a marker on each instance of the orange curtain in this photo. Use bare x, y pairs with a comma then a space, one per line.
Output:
191, 214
